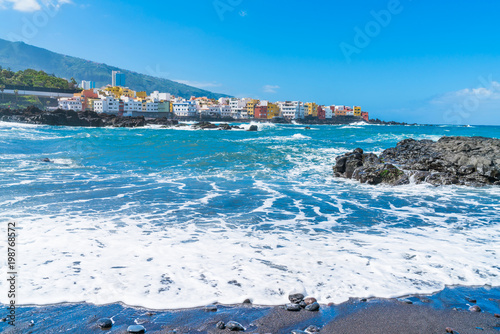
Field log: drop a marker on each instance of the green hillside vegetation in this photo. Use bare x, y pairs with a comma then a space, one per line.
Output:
20, 56
33, 78
11, 101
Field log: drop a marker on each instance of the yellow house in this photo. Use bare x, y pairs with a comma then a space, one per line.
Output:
121, 91
312, 109
273, 110
251, 107
357, 111
141, 95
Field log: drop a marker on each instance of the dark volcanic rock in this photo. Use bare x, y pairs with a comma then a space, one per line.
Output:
59, 117
473, 161
296, 298
293, 307
253, 128
312, 307
235, 326
220, 325
136, 329
104, 323
211, 308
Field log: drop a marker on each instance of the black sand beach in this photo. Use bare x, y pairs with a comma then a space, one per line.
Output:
444, 312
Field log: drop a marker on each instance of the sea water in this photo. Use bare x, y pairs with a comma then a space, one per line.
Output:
175, 218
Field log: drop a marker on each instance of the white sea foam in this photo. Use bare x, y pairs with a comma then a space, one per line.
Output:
181, 266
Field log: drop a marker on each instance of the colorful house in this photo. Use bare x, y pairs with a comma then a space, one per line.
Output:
357, 111
321, 112
273, 110
311, 109
365, 116
251, 107
260, 112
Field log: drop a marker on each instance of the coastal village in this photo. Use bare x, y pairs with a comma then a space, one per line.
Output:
120, 100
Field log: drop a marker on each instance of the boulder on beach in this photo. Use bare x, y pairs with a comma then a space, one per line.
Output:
470, 161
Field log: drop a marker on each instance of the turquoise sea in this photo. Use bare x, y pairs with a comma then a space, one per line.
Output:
170, 218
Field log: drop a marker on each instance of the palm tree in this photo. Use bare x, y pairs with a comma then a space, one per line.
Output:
2, 88
16, 92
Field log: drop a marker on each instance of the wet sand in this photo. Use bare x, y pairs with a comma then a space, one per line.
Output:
426, 314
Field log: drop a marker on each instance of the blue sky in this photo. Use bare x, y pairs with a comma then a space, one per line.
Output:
415, 61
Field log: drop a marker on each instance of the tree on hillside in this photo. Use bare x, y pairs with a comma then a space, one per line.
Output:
16, 92
2, 88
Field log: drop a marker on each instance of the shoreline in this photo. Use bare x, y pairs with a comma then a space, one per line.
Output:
433, 313
59, 117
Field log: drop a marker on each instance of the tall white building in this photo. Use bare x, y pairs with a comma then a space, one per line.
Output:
87, 85
292, 109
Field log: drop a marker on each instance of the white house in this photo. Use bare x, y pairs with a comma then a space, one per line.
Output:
150, 106
184, 109
224, 101
225, 110
210, 110
107, 105
157, 96
239, 107
71, 103
292, 109
329, 111
131, 105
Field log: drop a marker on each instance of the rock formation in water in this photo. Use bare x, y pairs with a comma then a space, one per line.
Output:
471, 161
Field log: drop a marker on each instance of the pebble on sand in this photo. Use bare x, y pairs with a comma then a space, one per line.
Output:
298, 331
220, 325
104, 323
475, 308
405, 300
296, 298
235, 326
136, 329
211, 308
310, 300
497, 315
449, 330
312, 329
292, 307
312, 307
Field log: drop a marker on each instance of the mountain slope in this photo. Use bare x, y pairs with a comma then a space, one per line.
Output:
20, 56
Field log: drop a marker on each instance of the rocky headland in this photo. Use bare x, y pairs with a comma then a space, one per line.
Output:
469, 161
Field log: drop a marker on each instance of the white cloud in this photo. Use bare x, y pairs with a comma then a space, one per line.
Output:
475, 106
200, 84
30, 5
270, 88
481, 95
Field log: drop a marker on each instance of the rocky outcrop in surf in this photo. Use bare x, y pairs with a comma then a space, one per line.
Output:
470, 161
